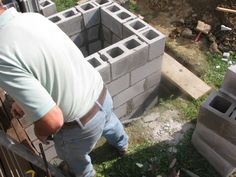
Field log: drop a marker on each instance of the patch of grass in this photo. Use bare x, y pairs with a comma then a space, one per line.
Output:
133, 7
64, 4
215, 75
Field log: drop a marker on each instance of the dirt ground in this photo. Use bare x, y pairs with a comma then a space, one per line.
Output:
177, 19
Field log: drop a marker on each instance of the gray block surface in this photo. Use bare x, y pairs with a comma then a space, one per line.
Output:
47, 8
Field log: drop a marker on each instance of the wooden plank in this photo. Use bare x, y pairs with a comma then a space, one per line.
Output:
183, 78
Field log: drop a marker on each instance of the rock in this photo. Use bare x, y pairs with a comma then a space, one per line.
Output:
226, 55
214, 48
187, 33
152, 117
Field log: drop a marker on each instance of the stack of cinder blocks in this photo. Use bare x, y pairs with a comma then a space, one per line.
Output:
215, 134
123, 48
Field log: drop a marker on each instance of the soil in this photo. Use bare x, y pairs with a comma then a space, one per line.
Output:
177, 19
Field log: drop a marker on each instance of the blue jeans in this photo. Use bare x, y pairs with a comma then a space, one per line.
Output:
74, 144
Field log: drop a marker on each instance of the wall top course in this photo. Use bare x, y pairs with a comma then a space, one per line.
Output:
151, 34
102, 3
88, 6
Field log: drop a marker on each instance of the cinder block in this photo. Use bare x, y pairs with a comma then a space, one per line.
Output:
102, 67
95, 46
218, 113
144, 71
139, 99
93, 33
128, 94
133, 27
79, 39
102, 3
70, 21
90, 14
115, 39
125, 55
155, 40
152, 80
114, 16
84, 51
121, 111
47, 8
106, 34
119, 84
228, 86
8, 5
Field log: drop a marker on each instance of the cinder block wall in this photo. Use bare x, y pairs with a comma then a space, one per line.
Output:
123, 48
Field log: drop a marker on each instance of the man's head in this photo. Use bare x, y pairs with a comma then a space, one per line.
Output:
1, 7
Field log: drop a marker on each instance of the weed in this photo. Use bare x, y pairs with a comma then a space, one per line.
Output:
133, 7
64, 4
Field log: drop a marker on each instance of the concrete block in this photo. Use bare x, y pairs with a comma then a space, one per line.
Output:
228, 86
133, 27
106, 34
125, 55
144, 71
121, 111
84, 51
102, 3
8, 5
70, 21
128, 94
93, 33
102, 67
119, 84
90, 12
155, 40
218, 113
95, 46
219, 152
106, 44
139, 99
115, 39
47, 8
114, 16
79, 39
26, 121
152, 80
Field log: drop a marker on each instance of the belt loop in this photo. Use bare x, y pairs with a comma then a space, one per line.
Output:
79, 122
99, 105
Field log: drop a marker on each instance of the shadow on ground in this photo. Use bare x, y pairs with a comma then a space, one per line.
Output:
149, 159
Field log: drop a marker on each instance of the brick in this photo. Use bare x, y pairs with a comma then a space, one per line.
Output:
128, 94
146, 70
79, 39
119, 84
95, 46
228, 85
30, 132
125, 55
106, 34
90, 14
121, 111
102, 67
70, 21
47, 8
114, 16
155, 40
102, 3
133, 27
93, 33
217, 113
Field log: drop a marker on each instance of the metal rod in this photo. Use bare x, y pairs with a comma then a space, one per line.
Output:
45, 160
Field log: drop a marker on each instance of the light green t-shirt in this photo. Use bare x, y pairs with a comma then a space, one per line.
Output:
40, 67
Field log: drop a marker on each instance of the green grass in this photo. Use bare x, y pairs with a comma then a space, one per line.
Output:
64, 4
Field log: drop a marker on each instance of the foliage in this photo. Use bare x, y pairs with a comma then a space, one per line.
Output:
64, 4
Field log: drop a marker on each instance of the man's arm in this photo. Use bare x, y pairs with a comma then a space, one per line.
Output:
49, 124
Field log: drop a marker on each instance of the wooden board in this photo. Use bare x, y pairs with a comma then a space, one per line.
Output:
183, 78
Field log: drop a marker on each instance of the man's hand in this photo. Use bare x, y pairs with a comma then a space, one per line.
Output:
16, 110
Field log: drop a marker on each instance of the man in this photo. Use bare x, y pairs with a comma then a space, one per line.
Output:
42, 69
